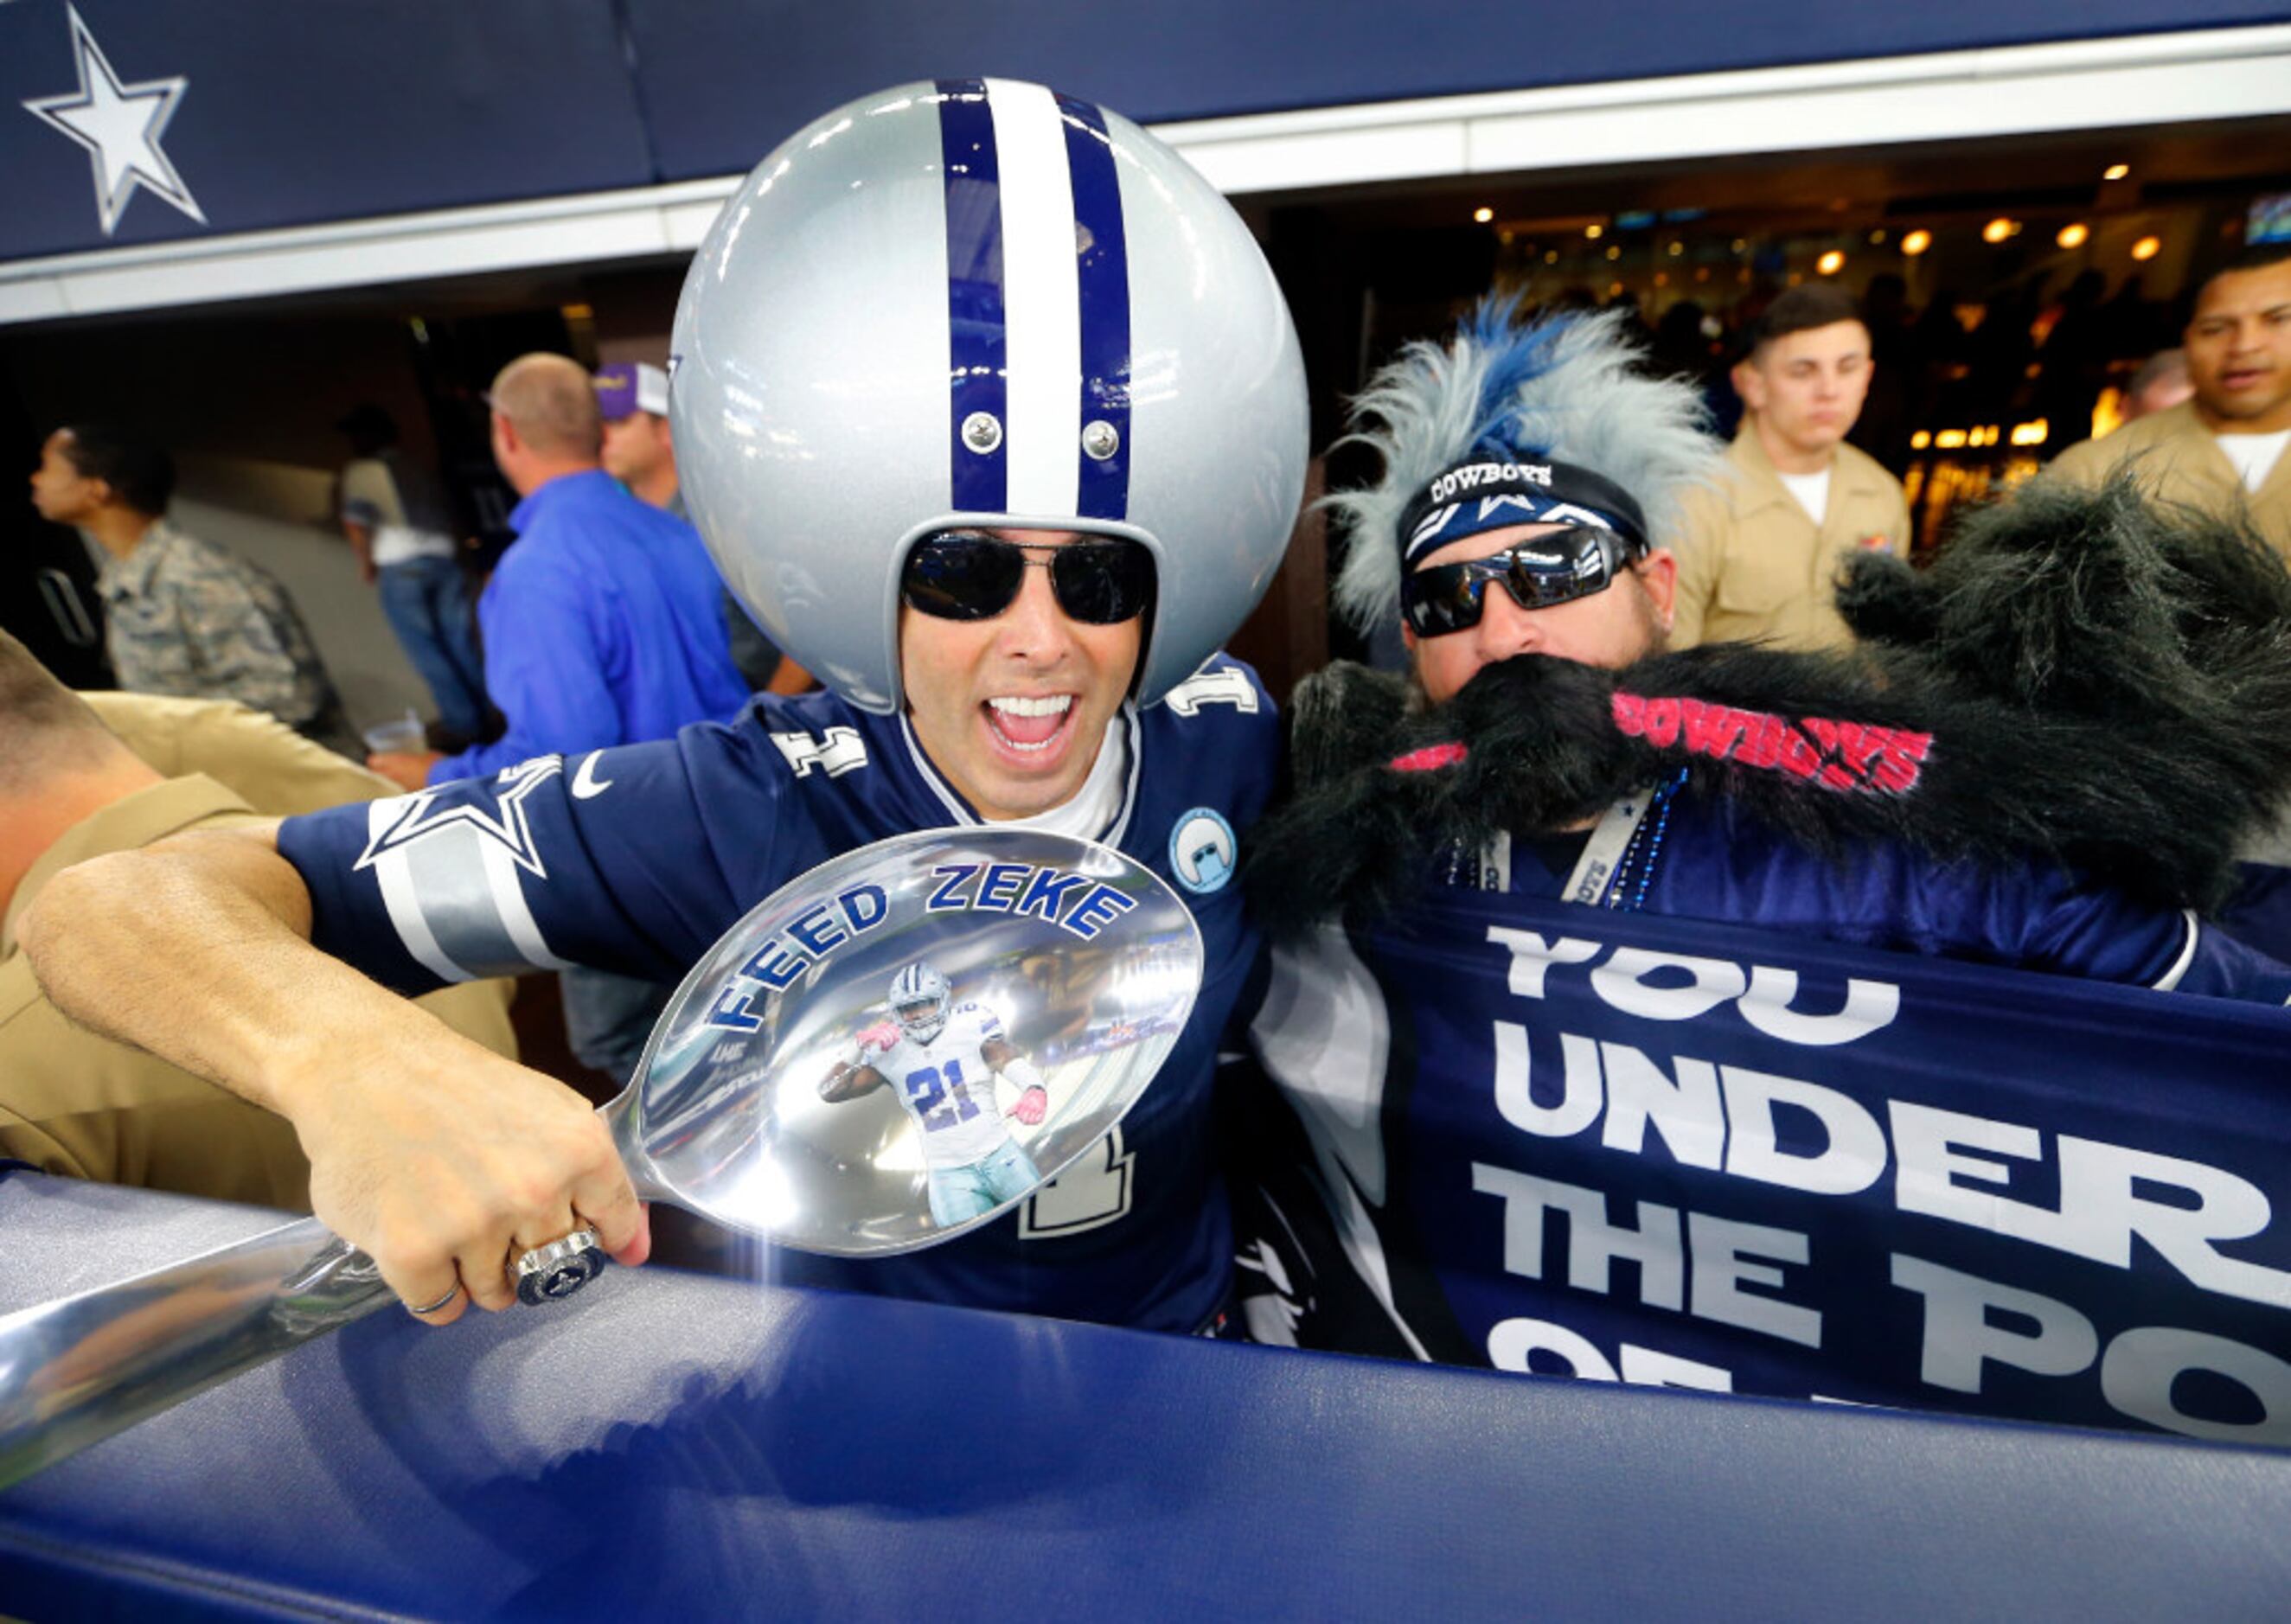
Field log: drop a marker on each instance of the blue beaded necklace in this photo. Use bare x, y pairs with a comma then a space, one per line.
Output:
1626, 892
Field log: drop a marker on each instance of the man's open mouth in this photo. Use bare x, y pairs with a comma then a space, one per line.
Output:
1028, 724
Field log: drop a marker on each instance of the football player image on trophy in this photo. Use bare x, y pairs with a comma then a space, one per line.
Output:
945, 1059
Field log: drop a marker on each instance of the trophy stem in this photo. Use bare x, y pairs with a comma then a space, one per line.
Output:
75, 1371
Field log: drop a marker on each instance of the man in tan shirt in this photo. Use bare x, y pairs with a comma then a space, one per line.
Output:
2223, 450
114, 772
1759, 553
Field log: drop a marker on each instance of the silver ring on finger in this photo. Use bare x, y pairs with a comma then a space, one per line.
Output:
552, 1273
454, 1291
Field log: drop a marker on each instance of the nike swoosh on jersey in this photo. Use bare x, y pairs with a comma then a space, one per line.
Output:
585, 782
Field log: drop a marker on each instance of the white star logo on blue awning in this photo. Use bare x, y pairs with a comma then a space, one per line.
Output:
120, 125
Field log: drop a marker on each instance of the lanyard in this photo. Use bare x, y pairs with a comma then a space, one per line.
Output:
1594, 870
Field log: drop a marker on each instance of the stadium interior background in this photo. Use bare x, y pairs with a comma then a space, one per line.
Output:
2013, 285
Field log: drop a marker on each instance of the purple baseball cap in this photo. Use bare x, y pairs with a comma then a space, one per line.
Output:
629, 387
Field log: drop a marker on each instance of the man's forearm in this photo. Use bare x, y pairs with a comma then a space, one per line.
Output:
437, 1156
214, 925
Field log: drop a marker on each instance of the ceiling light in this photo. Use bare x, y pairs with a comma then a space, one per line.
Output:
2073, 235
2116, 172
1916, 242
2147, 247
1483, 214
1829, 264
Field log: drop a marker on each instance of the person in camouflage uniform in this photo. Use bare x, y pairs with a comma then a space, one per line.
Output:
183, 616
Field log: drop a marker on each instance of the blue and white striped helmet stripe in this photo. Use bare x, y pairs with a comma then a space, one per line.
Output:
976, 357
1102, 264
1038, 297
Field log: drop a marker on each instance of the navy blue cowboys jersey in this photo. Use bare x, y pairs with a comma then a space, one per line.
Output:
637, 859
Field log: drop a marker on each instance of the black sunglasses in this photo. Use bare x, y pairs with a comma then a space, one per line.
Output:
1555, 568
1101, 581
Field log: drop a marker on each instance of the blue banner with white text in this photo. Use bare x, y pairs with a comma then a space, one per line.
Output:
1666, 1152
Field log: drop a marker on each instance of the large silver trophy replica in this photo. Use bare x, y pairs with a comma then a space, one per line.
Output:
887, 1052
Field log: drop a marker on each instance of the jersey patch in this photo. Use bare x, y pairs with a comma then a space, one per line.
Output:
1202, 851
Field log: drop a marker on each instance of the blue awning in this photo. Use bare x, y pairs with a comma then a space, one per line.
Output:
128, 126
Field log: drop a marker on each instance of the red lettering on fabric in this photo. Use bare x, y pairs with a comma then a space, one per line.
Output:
1764, 747
1899, 766
1429, 759
1799, 757
1711, 730
1837, 755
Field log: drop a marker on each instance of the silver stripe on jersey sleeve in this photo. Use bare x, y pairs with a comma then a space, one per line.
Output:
501, 878
396, 880
459, 891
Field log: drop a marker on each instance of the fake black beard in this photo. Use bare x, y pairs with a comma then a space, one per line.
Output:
2084, 678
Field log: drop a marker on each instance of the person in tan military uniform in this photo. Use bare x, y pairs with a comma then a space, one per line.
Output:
2224, 449
110, 773
1758, 552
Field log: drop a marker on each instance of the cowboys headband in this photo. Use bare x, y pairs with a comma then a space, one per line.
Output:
1482, 496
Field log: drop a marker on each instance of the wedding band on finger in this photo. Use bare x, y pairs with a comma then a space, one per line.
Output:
552, 1273
433, 1307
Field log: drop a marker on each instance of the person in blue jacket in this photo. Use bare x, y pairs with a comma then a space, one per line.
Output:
600, 623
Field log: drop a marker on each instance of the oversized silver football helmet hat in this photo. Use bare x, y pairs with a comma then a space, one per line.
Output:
979, 302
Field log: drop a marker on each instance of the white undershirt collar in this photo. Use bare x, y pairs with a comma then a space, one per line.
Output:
1100, 810
1812, 491
2255, 456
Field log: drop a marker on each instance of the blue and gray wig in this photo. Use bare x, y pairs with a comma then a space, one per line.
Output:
1562, 388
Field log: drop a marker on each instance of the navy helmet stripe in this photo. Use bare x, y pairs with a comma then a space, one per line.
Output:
977, 351
1102, 485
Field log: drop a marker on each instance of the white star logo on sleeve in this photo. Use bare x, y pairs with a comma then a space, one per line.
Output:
412, 819
120, 125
